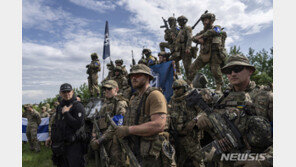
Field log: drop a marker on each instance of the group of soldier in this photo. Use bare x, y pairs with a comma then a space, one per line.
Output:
34, 119
182, 132
198, 124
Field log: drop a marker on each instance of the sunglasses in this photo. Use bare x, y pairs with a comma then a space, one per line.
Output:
107, 88
235, 69
177, 88
66, 91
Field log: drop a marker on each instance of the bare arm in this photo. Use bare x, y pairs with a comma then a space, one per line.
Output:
155, 126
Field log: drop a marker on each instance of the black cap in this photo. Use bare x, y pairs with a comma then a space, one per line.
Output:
65, 87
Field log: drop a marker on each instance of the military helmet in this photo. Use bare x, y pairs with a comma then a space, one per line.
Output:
258, 132
28, 105
110, 84
182, 18
141, 69
200, 81
146, 50
171, 19
47, 105
179, 83
94, 56
118, 68
119, 61
210, 16
43, 107
237, 60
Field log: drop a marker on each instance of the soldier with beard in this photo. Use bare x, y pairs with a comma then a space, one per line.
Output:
146, 121
212, 49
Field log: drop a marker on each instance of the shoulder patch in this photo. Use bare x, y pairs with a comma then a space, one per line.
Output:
217, 29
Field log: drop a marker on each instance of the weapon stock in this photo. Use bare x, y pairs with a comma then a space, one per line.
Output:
103, 153
198, 21
133, 59
133, 160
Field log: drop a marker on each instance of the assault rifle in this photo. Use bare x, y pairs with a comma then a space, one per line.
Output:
126, 149
198, 20
103, 154
229, 135
165, 24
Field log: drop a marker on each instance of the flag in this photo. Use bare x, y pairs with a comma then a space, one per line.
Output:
164, 78
42, 132
106, 50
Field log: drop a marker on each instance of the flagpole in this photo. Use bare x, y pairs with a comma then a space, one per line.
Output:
106, 49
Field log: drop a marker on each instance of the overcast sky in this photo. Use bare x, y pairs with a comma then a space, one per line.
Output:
58, 36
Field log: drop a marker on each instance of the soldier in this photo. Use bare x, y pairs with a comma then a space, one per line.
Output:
149, 60
43, 113
34, 120
170, 36
116, 106
183, 45
92, 69
249, 107
122, 82
119, 63
212, 49
186, 136
48, 109
51, 120
146, 121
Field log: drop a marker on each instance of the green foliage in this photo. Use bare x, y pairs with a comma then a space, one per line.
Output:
84, 93
42, 159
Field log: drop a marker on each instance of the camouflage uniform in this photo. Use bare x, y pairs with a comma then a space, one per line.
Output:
149, 149
114, 106
187, 138
43, 113
119, 63
251, 112
170, 36
212, 51
33, 121
122, 82
183, 44
148, 60
92, 69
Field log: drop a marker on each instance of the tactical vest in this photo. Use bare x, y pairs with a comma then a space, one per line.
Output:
182, 114
110, 107
149, 146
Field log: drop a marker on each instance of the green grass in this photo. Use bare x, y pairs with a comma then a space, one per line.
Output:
41, 159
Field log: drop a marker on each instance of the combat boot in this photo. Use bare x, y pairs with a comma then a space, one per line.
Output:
218, 89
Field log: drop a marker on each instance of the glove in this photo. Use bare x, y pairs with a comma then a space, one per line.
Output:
248, 164
94, 144
122, 131
203, 121
190, 125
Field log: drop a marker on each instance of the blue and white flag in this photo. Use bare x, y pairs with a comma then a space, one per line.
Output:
42, 132
106, 50
164, 78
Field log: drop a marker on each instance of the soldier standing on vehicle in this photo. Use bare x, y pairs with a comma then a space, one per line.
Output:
212, 49
146, 122
148, 59
92, 70
34, 120
116, 106
183, 45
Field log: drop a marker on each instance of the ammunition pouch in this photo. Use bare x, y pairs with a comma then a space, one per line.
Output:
102, 122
